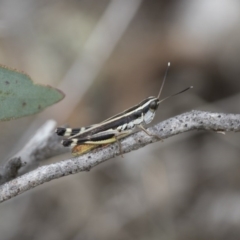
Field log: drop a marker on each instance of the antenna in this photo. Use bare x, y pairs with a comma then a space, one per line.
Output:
175, 94
164, 79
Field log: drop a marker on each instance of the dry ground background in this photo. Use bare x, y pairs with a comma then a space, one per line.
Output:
187, 187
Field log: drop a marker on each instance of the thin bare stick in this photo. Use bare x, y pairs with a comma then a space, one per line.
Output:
43, 145
194, 120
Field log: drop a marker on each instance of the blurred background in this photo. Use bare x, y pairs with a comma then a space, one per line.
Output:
107, 56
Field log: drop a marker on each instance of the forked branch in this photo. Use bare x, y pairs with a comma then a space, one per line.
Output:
194, 120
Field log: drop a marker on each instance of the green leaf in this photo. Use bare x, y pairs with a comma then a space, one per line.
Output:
20, 96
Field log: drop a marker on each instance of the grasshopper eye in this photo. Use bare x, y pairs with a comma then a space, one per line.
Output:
153, 105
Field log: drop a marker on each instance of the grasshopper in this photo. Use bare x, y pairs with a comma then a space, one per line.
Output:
112, 129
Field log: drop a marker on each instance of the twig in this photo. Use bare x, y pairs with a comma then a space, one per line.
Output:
10, 169
43, 145
194, 120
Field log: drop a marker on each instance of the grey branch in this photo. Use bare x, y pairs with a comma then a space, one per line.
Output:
194, 120
43, 145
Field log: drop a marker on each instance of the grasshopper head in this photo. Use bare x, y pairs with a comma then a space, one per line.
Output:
151, 108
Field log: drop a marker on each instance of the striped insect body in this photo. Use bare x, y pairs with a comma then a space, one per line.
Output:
112, 129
